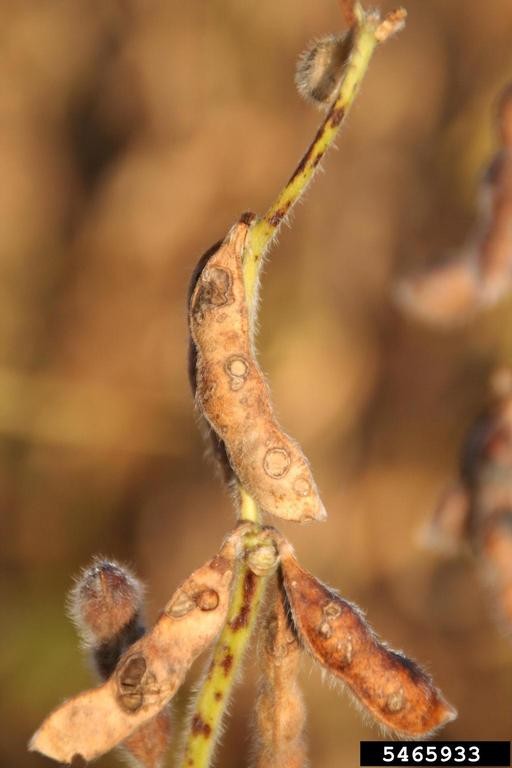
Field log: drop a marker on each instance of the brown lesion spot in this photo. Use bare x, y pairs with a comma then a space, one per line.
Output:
207, 599
237, 368
130, 689
337, 116
215, 290
199, 727
276, 462
227, 663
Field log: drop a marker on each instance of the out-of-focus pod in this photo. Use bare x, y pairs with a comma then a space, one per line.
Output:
452, 293
477, 510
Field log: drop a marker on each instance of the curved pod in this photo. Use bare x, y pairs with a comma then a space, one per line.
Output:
233, 396
394, 689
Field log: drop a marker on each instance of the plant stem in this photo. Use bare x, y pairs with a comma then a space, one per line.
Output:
265, 229
222, 672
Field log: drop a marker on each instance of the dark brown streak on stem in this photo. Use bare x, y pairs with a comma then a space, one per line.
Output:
279, 215
227, 663
334, 118
242, 618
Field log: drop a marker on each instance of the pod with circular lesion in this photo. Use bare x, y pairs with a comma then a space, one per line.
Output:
149, 673
392, 688
231, 392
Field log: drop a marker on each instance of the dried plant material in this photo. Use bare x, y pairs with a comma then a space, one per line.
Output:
149, 673
454, 292
280, 710
232, 394
393, 23
447, 531
106, 604
394, 689
321, 67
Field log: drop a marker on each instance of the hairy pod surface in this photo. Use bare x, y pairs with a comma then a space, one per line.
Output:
394, 689
233, 396
280, 710
106, 604
149, 673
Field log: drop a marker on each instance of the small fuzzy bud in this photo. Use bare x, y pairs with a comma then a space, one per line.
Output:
106, 605
106, 598
321, 67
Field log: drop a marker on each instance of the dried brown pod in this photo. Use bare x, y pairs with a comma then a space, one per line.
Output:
452, 293
232, 394
106, 605
392, 688
321, 68
149, 673
280, 710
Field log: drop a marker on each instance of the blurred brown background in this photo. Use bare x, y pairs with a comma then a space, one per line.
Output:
132, 134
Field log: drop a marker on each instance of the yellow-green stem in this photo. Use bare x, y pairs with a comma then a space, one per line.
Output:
248, 589
226, 660
265, 228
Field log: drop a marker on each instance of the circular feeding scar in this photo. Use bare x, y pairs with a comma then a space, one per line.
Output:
237, 365
276, 462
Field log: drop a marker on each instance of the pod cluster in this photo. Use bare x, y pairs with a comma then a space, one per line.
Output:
129, 704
